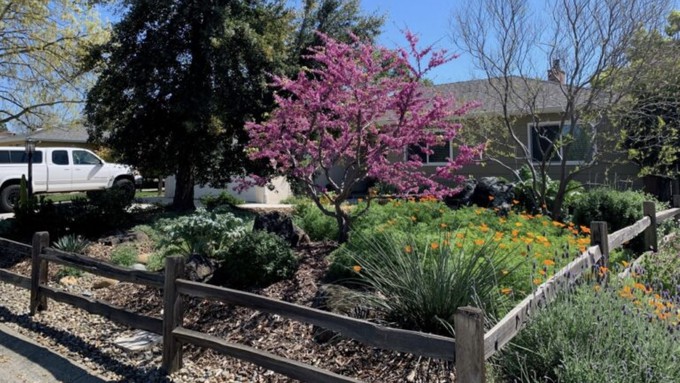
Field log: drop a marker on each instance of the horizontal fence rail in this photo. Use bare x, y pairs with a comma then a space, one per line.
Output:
15, 279
288, 367
513, 322
429, 345
104, 269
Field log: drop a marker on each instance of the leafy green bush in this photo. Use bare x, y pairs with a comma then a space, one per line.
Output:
421, 287
202, 232
258, 259
68, 272
72, 243
317, 225
618, 208
526, 196
223, 199
588, 337
124, 255
156, 261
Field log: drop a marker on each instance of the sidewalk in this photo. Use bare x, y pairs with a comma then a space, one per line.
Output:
24, 361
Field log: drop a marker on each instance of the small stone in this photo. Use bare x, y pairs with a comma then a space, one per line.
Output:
143, 258
140, 340
101, 283
68, 280
138, 266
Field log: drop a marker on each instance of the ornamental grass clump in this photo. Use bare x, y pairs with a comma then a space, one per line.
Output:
595, 334
420, 287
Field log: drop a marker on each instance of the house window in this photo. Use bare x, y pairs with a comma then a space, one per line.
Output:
543, 136
440, 153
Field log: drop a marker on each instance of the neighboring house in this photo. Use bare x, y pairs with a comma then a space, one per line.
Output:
58, 136
547, 103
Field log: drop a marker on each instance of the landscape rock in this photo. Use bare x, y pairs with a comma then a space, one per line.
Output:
282, 225
464, 197
138, 266
492, 192
101, 283
199, 268
138, 341
69, 280
143, 258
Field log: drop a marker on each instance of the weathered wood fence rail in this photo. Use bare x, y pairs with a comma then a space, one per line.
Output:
469, 350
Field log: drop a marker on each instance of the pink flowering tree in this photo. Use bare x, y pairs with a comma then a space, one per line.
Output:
360, 112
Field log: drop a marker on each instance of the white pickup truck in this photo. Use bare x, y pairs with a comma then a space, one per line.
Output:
58, 170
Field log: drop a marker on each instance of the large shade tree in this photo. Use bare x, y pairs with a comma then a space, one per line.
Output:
360, 110
649, 116
182, 77
41, 47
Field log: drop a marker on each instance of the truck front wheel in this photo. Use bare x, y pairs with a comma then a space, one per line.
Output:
9, 197
127, 187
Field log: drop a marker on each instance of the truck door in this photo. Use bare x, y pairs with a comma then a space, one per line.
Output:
88, 171
60, 171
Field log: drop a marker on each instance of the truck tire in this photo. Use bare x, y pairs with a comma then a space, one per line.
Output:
9, 197
127, 186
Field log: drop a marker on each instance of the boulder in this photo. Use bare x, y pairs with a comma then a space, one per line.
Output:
101, 283
199, 268
492, 192
282, 225
464, 196
143, 258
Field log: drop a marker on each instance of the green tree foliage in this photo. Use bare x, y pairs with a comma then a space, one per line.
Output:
41, 45
335, 18
650, 118
181, 79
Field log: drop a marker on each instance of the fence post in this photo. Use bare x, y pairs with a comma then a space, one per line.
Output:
469, 328
599, 235
172, 315
649, 210
38, 272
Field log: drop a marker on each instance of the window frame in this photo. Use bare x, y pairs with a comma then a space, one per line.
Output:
427, 162
560, 151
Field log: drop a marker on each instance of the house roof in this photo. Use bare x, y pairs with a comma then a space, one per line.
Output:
57, 134
547, 96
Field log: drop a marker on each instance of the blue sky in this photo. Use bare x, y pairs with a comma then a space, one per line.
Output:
429, 19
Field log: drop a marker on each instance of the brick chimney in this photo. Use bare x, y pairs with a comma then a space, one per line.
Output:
556, 73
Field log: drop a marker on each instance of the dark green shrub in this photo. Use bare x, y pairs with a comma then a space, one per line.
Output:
258, 259
588, 337
124, 255
618, 208
223, 199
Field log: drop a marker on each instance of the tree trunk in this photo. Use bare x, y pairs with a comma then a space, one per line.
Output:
343, 224
184, 188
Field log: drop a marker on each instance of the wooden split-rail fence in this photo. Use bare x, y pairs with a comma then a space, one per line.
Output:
469, 350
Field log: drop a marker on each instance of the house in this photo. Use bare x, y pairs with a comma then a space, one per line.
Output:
535, 108
57, 136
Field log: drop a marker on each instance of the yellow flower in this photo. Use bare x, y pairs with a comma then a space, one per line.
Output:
484, 228
434, 245
479, 242
459, 245
537, 281
505, 272
515, 233
542, 272
408, 249
506, 291
460, 235
356, 268
625, 264
442, 225
502, 246
518, 224
597, 288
